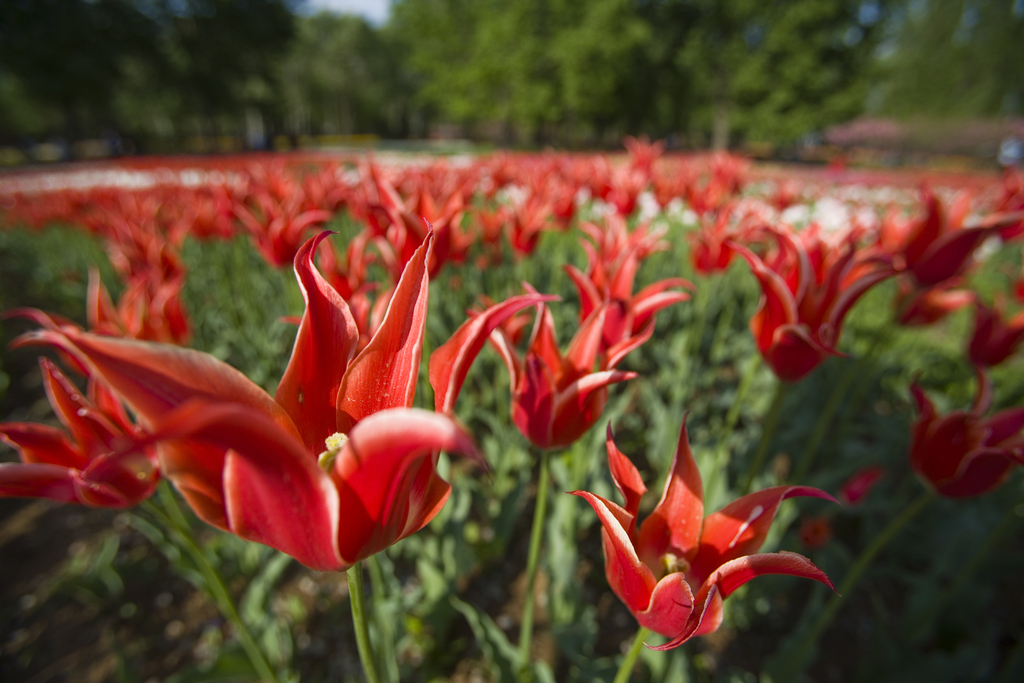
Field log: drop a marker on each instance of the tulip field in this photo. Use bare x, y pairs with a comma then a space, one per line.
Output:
511, 417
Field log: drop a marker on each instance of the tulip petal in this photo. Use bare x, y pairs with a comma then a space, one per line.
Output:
324, 345
89, 428
670, 608
533, 402
450, 363
740, 528
42, 444
274, 493
626, 478
646, 305
384, 373
543, 341
948, 255
675, 524
777, 306
980, 471
739, 571
119, 479
590, 297
582, 351
794, 353
630, 579
387, 479
156, 378
579, 405
1004, 425
707, 607
617, 352
506, 349
37, 480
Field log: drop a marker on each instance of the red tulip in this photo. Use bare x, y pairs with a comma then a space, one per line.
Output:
937, 245
809, 286
815, 532
674, 571
338, 439
860, 484
101, 465
994, 340
962, 454
555, 398
614, 259
927, 306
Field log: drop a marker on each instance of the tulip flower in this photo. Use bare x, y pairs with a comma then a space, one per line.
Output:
674, 570
940, 243
815, 532
338, 441
101, 465
555, 397
963, 454
808, 288
994, 340
614, 259
148, 310
860, 484
926, 306
710, 251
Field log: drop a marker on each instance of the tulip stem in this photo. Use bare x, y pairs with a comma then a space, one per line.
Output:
804, 651
176, 523
858, 370
356, 598
920, 627
536, 535
626, 668
722, 456
835, 399
771, 421
704, 296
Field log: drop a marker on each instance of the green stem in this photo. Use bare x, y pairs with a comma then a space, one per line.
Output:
704, 296
865, 376
626, 668
532, 560
178, 526
805, 649
771, 421
385, 628
355, 596
835, 400
920, 627
722, 456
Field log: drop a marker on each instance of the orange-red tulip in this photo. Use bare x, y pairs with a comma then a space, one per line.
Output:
332, 469
962, 454
674, 570
101, 465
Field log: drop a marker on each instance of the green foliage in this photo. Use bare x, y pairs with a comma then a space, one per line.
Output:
955, 59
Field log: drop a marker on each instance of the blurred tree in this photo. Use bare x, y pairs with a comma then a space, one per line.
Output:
955, 58
68, 54
223, 53
484, 60
774, 71
343, 76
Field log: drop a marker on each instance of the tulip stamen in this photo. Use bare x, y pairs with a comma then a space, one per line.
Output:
335, 442
674, 564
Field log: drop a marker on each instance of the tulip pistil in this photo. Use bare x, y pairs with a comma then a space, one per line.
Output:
673, 563
335, 442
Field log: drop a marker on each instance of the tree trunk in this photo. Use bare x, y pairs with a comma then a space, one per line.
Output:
720, 112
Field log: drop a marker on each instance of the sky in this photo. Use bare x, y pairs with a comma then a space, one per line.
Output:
375, 11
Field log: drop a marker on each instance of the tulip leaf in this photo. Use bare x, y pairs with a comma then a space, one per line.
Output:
499, 651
